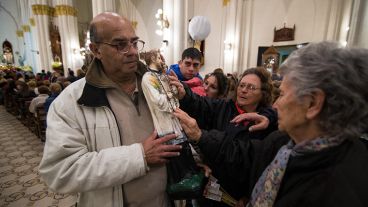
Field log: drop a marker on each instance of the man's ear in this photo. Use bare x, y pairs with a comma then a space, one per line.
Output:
95, 50
317, 100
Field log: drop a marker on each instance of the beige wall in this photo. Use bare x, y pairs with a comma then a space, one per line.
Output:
315, 20
147, 24
359, 37
84, 8
9, 27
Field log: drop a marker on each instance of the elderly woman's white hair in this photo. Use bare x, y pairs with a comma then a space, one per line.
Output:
342, 74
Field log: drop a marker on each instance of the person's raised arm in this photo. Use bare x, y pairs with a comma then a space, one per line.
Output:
238, 158
233, 155
261, 122
203, 109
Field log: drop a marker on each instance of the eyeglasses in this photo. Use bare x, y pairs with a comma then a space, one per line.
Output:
248, 86
124, 46
188, 64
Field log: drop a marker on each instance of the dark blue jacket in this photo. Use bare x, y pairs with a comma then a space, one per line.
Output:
176, 69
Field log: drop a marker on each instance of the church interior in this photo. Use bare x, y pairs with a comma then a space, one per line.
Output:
41, 37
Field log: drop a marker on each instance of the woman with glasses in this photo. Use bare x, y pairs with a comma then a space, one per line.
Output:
253, 95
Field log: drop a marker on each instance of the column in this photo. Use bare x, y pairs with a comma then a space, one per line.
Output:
41, 14
176, 33
237, 19
244, 31
30, 58
357, 36
66, 21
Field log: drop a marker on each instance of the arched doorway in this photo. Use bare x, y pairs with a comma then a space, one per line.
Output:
8, 57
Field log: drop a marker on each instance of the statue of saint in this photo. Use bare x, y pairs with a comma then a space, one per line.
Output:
8, 56
161, 97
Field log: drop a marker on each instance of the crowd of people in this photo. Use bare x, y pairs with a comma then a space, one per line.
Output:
23, 92
112, 136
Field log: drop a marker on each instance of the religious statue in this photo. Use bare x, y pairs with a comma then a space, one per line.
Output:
8, 56
161, 97
185, 181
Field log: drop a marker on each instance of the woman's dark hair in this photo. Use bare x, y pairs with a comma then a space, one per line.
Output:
266, 84
221, 83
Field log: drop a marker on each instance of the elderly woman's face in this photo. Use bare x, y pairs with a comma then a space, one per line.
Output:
249, 92
291, 112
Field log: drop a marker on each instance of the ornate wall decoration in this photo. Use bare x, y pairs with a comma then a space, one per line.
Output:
41, 9
65, 10
225, 2
284, 34
134, 24
19, 33
26, 28
32, 22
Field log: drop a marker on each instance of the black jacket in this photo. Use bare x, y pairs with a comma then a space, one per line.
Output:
217, 114
333, 177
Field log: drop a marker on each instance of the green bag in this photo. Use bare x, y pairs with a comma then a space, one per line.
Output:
184, 178
188, 188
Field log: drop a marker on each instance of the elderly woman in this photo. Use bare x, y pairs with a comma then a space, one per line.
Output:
254, 95
323, 108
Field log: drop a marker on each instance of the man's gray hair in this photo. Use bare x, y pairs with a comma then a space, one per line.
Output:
342, 74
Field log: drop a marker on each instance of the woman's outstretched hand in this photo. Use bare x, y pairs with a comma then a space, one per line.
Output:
189, 125
261, 121
174, 81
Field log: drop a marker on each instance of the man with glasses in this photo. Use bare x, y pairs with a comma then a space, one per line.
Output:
101, 142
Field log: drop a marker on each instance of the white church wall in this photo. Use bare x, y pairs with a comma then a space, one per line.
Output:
359, 37
315, 20
147, 26
213, 10
9, 27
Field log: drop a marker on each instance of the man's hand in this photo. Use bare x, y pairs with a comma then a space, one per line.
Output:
156, 151
189, 125
175, 82
261, 121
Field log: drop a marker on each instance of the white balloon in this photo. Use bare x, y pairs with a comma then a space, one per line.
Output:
199, 28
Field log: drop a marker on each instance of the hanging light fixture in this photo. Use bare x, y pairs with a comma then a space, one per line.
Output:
162, 22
